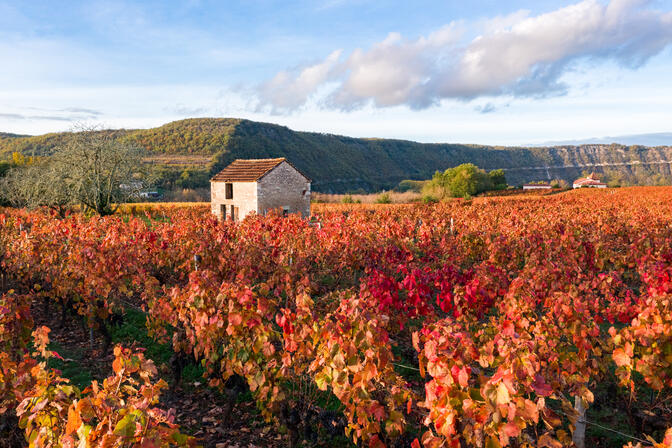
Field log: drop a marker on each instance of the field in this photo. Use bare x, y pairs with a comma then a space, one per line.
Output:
519, 321
180, 160
392, 197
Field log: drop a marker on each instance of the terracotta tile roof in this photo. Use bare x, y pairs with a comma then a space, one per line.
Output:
246, 170
590, 180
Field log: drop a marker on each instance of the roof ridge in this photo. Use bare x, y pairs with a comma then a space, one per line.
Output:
259, 160
248, 170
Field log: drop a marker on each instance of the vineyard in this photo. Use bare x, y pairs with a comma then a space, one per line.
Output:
495, 322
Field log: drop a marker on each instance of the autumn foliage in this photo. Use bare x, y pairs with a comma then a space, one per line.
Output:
509, 315
120, 412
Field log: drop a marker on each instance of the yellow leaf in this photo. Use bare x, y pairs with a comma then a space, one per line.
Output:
503, 396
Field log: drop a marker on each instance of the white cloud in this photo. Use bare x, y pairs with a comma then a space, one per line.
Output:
515, 55
290, 89
394, 71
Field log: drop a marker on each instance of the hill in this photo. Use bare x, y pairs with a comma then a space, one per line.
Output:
339, 164
654, 139
10, 135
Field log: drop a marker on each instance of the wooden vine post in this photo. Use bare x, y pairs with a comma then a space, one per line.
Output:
579, 434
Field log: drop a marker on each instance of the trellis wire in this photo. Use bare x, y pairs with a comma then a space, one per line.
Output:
615, 431
587, 422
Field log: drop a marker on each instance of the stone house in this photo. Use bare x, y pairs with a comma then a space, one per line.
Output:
259, 185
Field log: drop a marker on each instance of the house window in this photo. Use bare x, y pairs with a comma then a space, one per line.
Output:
229, 191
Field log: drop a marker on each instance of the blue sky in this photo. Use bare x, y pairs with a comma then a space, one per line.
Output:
436, 71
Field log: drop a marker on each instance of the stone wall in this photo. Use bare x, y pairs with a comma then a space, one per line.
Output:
284, 187
244, 197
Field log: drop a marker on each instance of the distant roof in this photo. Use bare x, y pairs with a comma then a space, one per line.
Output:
590, 180
249, 170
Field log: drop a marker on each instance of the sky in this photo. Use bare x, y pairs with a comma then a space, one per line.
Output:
482, 71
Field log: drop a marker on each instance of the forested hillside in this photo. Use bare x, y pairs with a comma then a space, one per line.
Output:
340, 164
7, 135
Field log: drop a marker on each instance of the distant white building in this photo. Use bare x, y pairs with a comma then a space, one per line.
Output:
149, 195
591, 182
136, 190
542, 186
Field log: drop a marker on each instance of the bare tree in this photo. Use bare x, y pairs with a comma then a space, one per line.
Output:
37, 185
91, 168
99, 171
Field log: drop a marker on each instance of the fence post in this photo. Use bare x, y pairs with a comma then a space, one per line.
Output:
579, 434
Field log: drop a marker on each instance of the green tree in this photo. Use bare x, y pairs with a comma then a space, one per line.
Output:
498, 179
463, 181
193, 178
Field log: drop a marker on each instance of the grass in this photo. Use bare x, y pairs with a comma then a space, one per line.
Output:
70, 366
133, 330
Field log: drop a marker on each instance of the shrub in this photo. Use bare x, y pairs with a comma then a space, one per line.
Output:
410, 185
384, 198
